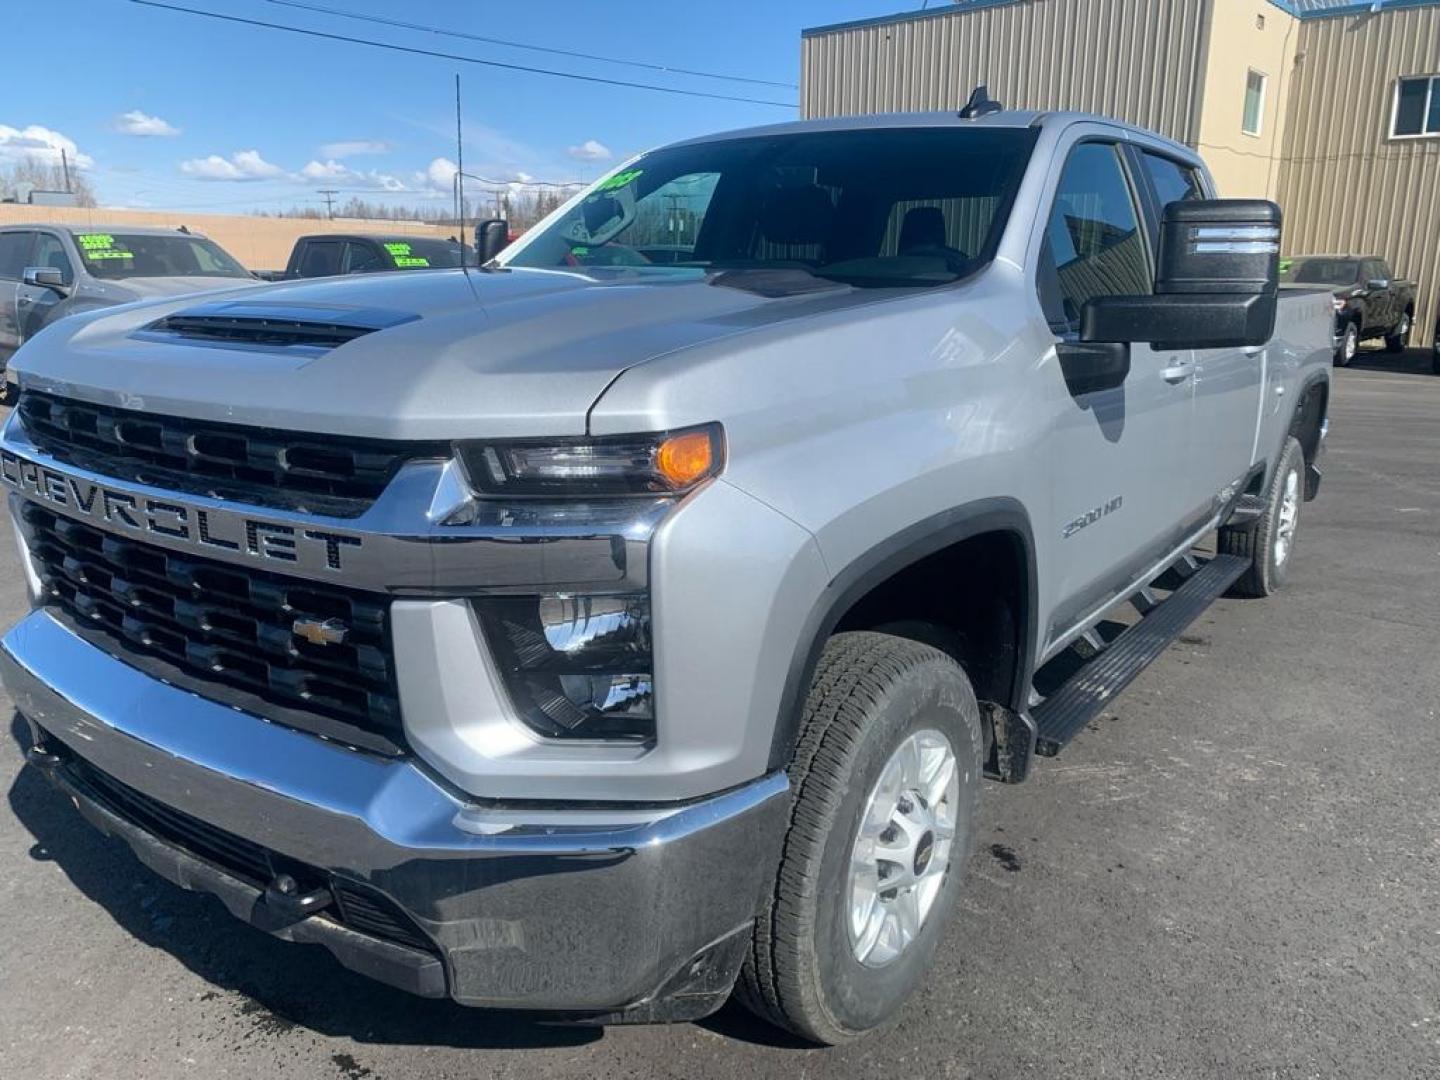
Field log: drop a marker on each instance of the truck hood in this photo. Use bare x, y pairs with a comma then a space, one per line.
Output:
436, 354
152, 288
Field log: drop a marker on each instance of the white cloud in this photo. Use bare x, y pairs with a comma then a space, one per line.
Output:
334, 172
439, 175
40, 143
354, 148
244, 165
136, 122
590, 150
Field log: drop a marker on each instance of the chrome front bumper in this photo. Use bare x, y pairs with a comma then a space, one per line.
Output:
615, 913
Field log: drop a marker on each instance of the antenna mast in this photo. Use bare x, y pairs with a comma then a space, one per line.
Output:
459, 172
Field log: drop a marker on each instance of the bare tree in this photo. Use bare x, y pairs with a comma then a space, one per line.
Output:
34, 173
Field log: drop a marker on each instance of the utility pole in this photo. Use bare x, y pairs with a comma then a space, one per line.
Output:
329, 194
65, 165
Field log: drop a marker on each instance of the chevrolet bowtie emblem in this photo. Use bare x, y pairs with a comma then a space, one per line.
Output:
320, 631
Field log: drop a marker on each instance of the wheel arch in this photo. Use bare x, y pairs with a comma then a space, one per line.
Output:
1001, 521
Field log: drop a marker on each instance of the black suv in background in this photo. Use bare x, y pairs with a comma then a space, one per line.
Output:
333, 254
1370, 302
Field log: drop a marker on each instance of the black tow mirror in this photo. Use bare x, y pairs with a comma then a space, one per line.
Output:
1215, 287
491, 237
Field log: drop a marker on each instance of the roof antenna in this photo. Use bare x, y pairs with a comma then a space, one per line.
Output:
980, 104
460, 175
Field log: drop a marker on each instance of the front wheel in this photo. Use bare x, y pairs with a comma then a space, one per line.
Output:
886, 784
1349, 345
1398, 338
1270, 542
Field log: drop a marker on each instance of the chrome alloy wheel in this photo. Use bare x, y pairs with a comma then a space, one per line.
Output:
1402, 328
1289, 517
901, 851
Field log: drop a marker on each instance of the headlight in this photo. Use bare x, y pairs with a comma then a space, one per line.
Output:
1340, 303
665, 463
577, 667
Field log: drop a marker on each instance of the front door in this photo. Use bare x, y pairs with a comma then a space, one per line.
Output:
36, 304
1117, 458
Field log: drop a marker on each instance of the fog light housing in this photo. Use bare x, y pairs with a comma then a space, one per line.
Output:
576, 666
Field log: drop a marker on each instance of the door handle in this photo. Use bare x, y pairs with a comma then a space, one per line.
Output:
1177, 373
1253, 350
26, 300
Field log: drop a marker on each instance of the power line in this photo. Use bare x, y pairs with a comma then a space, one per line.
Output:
667, 69
455, 56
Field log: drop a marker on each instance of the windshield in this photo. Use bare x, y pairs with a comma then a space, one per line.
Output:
412, 254
134, 255
1320, 271
873, 208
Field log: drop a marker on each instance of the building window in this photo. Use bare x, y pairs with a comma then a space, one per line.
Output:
1254, 103
1417, 108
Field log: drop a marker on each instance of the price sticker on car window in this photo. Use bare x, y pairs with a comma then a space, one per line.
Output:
100, 246
400, 254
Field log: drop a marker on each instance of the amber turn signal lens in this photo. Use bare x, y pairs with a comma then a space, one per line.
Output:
686, 458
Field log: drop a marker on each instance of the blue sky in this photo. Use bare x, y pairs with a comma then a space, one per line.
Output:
169, 110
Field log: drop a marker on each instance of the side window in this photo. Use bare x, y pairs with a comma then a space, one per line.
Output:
14, 249
50, 251
321, 259
1172, 180
1380, 269
1094, 246
363, 258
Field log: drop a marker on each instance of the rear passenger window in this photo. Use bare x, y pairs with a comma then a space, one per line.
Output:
1093, 242
14, 247
321, 259
1173, 181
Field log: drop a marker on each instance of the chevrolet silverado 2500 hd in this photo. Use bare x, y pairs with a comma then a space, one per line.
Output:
586, 635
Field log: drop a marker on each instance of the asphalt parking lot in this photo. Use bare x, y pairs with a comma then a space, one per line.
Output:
1235, 874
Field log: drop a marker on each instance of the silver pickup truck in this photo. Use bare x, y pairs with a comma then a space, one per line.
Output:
591, 635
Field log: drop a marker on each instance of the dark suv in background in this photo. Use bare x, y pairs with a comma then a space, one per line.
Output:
333, 254
1370, 302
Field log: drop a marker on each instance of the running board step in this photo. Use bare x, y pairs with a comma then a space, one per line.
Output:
1064, 714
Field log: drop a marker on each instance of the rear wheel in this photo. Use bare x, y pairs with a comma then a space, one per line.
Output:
1349, 345
886, 783
1270, 542
1397, 339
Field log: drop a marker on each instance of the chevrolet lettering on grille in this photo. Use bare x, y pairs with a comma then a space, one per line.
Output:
216, 532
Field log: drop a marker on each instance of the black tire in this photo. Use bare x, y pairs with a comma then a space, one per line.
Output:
1349, 345
1397, 342
1259, 541
870, 693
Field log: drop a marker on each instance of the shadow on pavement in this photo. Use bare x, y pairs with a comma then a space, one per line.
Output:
1409, 362
283, 986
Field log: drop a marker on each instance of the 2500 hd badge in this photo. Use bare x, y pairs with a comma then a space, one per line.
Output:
202, 529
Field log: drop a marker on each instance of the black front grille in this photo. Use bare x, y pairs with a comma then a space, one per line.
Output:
235, 461
356, 906
225, 631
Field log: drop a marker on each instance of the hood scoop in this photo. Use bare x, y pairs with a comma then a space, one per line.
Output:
241, 324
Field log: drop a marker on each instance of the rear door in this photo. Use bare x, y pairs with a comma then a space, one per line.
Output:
1117, 458
1227, 382
321, 258
14, 250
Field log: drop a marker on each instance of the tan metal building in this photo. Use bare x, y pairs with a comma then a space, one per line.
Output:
1331, 108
